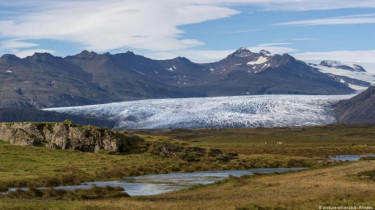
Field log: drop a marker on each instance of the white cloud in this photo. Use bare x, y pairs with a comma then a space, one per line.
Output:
274, 48
241, 31
199, 56
25, 53
111, 24
357, 19
363, 56
16, 44
104, 25
300, 5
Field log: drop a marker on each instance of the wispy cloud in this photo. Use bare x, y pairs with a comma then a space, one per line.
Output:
104, 25
13, 44
274, 48
360, 56
241, 31
304, 39
200, 56
25, 53
274, 44
204, 56
353, 19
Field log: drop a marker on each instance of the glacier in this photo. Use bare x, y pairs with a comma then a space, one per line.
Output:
215, 112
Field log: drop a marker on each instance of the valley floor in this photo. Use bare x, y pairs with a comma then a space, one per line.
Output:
326, 184
325, 187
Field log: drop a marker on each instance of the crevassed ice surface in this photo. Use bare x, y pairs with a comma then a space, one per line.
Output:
216, 112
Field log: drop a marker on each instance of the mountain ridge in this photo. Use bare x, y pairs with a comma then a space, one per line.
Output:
43, 80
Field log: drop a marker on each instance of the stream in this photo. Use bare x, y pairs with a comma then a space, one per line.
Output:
162, 183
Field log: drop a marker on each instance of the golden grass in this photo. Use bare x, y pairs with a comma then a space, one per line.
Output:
297, 190
319, 141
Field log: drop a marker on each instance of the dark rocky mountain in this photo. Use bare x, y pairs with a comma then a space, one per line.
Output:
34, 115
244, 72
43, 80
359, 109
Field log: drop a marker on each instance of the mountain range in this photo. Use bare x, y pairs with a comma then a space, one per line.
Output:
44, 80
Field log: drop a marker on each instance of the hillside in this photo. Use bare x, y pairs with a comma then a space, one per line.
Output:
359, 109
67, 135
34, 115
44, 80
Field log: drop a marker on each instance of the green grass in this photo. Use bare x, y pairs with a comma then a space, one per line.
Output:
22, 166
366, 175
320, 141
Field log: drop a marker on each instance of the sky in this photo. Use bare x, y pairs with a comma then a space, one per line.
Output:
201, 30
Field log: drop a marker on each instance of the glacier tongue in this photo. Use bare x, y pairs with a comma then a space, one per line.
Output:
217, 112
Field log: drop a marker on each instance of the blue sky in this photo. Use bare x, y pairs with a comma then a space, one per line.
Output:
202, 30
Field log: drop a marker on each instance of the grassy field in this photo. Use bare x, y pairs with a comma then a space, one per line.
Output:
319, 141
326, 184
22, 166
326, 187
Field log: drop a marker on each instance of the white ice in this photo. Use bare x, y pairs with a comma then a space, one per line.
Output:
217, 112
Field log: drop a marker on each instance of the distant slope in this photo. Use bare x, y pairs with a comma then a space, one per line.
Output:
44, 80
359, 109
352, 75
33, 115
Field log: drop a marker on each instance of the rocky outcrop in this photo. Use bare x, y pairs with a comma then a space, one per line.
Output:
68, 135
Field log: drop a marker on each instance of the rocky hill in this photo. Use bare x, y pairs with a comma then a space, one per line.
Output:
44, 80
359, 109
68, 135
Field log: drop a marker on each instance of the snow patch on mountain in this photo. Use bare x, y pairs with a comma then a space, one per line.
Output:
335, 68
260, 60
342, 65
217, 112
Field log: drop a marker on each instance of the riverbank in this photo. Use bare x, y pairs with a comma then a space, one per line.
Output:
310, 189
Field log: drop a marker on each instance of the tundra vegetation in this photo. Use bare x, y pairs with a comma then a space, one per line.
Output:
326, 183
